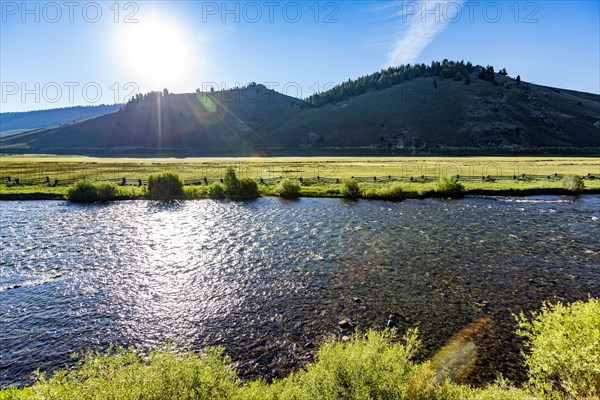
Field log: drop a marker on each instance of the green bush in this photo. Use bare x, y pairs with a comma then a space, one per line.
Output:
573, 183
235, 188
248, 189
84, 191
289, 188
165, 186
564, 349
125, 374
350, 189
449, 187
216, 191
371, 366
231, 183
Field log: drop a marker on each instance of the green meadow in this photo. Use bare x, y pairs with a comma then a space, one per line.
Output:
319, 176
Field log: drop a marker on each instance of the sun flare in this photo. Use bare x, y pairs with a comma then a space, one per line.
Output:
157, 51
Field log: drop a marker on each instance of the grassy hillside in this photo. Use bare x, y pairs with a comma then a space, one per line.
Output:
425, 115
415, 117
16, 122
221, 122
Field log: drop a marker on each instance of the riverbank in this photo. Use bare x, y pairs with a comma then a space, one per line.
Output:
315, 188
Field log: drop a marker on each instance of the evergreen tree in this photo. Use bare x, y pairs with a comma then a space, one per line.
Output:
399, 74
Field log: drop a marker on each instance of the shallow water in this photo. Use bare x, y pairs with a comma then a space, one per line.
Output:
269, 279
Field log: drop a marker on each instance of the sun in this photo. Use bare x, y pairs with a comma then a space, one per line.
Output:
157, 52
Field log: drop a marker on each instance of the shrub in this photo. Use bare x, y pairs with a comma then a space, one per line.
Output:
350, 189
289, 188
231, 182
235, 188
248, 188
449, 187
216, 191
392, 191
371, 366
125, 374
573, 183
84, 191
564, 349
164, 186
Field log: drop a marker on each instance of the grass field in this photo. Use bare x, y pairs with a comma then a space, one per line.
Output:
320, 174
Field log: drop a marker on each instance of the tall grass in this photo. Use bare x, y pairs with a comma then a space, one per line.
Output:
238, 189
215, 191
563, 362
388, 191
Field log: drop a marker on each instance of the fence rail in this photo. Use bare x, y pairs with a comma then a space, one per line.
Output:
128, 180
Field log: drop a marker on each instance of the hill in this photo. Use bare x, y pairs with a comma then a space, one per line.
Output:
232, 122
477, 112
15, 122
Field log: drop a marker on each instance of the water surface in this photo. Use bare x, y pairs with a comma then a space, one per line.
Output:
269, 279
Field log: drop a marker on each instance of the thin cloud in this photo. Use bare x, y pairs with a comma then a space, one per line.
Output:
420, 22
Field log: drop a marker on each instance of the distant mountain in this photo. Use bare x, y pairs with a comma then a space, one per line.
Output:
399, 112
15, 122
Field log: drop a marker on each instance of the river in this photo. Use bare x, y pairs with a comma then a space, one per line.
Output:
270, 279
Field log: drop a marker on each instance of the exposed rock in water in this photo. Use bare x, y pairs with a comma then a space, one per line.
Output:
345, 324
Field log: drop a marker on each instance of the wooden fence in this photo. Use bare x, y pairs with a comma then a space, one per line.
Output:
133, 180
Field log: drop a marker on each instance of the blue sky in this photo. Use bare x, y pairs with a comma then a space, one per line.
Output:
58, 54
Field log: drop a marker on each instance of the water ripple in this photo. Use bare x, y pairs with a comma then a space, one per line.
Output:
269, 279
